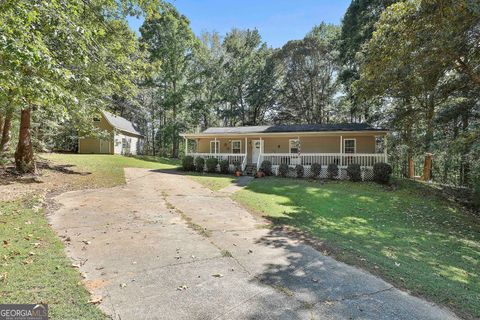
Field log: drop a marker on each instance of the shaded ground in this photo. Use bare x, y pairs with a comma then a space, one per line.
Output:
165, 247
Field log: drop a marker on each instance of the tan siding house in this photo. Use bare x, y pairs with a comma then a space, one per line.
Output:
123, 137
341, 144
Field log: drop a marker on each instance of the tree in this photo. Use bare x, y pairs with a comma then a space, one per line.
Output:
357, 28
308, 76
61, 59
170, 40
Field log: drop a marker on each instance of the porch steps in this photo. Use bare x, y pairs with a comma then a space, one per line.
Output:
250, 169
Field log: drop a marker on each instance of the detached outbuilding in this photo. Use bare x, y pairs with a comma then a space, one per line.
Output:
123, 137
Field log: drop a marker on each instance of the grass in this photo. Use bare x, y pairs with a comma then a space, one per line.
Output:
212, 181
410, 237
105, 170
34, 267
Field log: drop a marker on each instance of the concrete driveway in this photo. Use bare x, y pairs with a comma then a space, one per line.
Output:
164, 247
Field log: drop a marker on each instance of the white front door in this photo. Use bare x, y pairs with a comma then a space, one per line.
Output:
256, 149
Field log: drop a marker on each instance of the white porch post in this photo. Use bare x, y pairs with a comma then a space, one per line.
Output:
186, 146
215, 147
385, 148
341, 150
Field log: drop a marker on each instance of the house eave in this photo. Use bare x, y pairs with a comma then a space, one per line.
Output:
277, 134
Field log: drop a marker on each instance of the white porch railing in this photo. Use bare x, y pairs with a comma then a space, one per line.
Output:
324, 159
232, 158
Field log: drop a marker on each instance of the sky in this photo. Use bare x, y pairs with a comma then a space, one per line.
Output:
278, 21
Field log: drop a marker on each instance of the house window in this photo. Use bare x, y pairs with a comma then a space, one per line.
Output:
294, 145
349, 146
214, 146
236, 146
379, 144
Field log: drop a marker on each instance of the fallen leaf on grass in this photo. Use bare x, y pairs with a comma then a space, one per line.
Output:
95, 300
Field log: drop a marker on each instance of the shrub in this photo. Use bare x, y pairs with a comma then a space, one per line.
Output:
315, 170
266, 167
332, 170
283, 170
199, 164
354, 172
187, 163
224, 166
237, 164
212, 165
299, 171
382, 172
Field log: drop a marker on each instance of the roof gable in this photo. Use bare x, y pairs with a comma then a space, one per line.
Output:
120, 123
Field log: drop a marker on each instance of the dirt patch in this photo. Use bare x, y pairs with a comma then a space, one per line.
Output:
50, 178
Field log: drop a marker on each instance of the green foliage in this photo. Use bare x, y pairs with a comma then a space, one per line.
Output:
237, 165
266, 167
199, 164
354, 172
212, 164
332, 171
224, 166
306, 68
188, 164
299, 171
382, 172
283, 170
315, 170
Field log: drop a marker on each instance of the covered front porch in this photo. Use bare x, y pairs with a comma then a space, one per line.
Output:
252, 150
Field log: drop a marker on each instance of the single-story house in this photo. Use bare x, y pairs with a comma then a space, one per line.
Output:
123, 138
340, 144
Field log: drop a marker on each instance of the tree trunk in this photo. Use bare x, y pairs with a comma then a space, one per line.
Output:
174, 131
7, 125
1, 123
24, 159
430, 112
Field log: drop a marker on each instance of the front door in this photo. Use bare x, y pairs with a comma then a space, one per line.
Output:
256, 150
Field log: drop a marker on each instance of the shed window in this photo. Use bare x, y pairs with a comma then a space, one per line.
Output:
294, 145
236, 146
349, 145
214, 146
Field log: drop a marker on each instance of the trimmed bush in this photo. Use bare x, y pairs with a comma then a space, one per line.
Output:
315, 170
332, 171
199, 164
266, 167
283, 170
224, 166
354, 172
212, 165
237, 164
299, 171
382, 172
187, 163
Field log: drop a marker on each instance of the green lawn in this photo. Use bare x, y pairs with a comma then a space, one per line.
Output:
214, 182
413, 239
106, 170
33, 265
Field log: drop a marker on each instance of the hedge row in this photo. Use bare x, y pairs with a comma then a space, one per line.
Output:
381, 171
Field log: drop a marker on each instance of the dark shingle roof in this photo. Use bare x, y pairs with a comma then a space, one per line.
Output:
121, 123
293, 128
